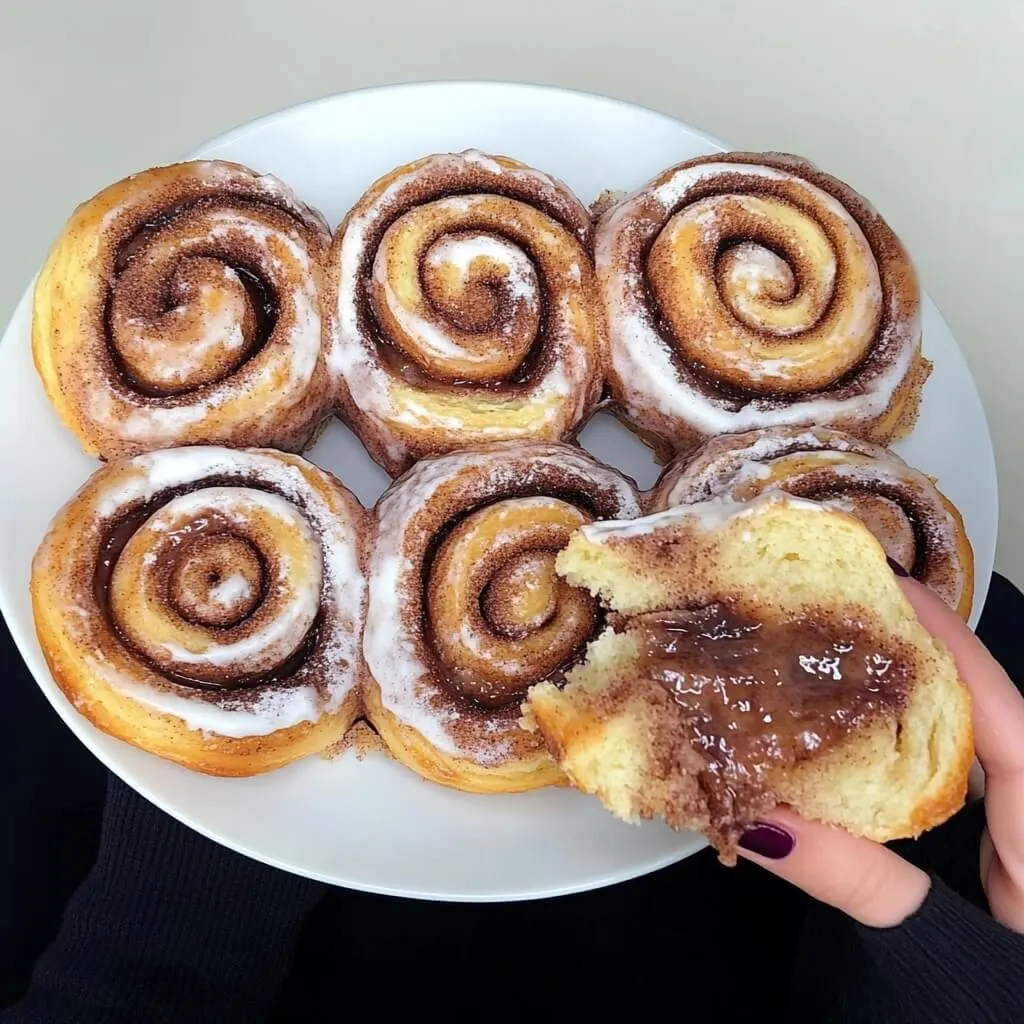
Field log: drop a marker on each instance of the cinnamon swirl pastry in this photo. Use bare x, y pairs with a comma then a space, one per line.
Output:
466, 612
206, 605
183, 306
916, 525
465, 309
747, 290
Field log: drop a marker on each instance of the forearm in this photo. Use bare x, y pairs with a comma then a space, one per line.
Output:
168, 926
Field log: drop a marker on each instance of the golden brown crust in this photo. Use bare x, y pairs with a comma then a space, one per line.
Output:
949, 798
744, 290
466, 611
464, 309
408, 746
918, 526
182, 305
158, 633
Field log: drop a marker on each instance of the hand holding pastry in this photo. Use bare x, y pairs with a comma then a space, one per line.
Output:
873, 884
759, 654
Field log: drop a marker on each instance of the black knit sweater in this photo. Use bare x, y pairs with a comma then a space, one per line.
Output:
169, 927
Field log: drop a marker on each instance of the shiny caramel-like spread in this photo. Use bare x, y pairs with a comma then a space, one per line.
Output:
758, 696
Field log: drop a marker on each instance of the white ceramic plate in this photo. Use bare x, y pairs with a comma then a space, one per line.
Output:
374, 825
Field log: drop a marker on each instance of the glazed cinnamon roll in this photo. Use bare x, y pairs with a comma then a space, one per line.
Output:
206, 604
466, 611
464, 308
748, 290
916, 525
183, 306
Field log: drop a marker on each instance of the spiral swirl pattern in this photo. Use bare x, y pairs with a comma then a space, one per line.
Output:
466, 610
465, 308
183, 305
752, 290
915, 524
217, 596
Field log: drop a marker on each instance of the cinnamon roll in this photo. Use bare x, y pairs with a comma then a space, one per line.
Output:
182, 305
747, 290
206, 604
464, 309
916, 525
466, 611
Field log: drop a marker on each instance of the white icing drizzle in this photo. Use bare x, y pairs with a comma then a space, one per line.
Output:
271, 711
474, 156
706, 515
461, 250
231, 590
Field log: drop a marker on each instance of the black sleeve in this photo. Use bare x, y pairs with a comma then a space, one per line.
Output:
949, 961
168, 926
952, 960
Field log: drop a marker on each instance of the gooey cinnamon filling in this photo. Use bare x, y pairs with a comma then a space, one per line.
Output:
757, 697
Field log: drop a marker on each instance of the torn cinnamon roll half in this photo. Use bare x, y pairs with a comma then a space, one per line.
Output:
466, 612
182, 305
761, 653
919, 528
206, 604
464, 309
750, 290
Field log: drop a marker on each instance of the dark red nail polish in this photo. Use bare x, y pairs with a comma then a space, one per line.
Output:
767, 840
897, 568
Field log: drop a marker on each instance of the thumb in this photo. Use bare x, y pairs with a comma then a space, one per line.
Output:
872, 884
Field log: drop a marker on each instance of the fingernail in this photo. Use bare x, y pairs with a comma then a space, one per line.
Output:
897, 568
767, 840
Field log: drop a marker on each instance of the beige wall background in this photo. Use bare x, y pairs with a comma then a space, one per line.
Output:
917, 103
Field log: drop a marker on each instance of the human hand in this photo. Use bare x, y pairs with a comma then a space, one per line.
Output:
873, 884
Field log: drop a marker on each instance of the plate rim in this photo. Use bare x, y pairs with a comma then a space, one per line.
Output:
84, 731
239, 131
